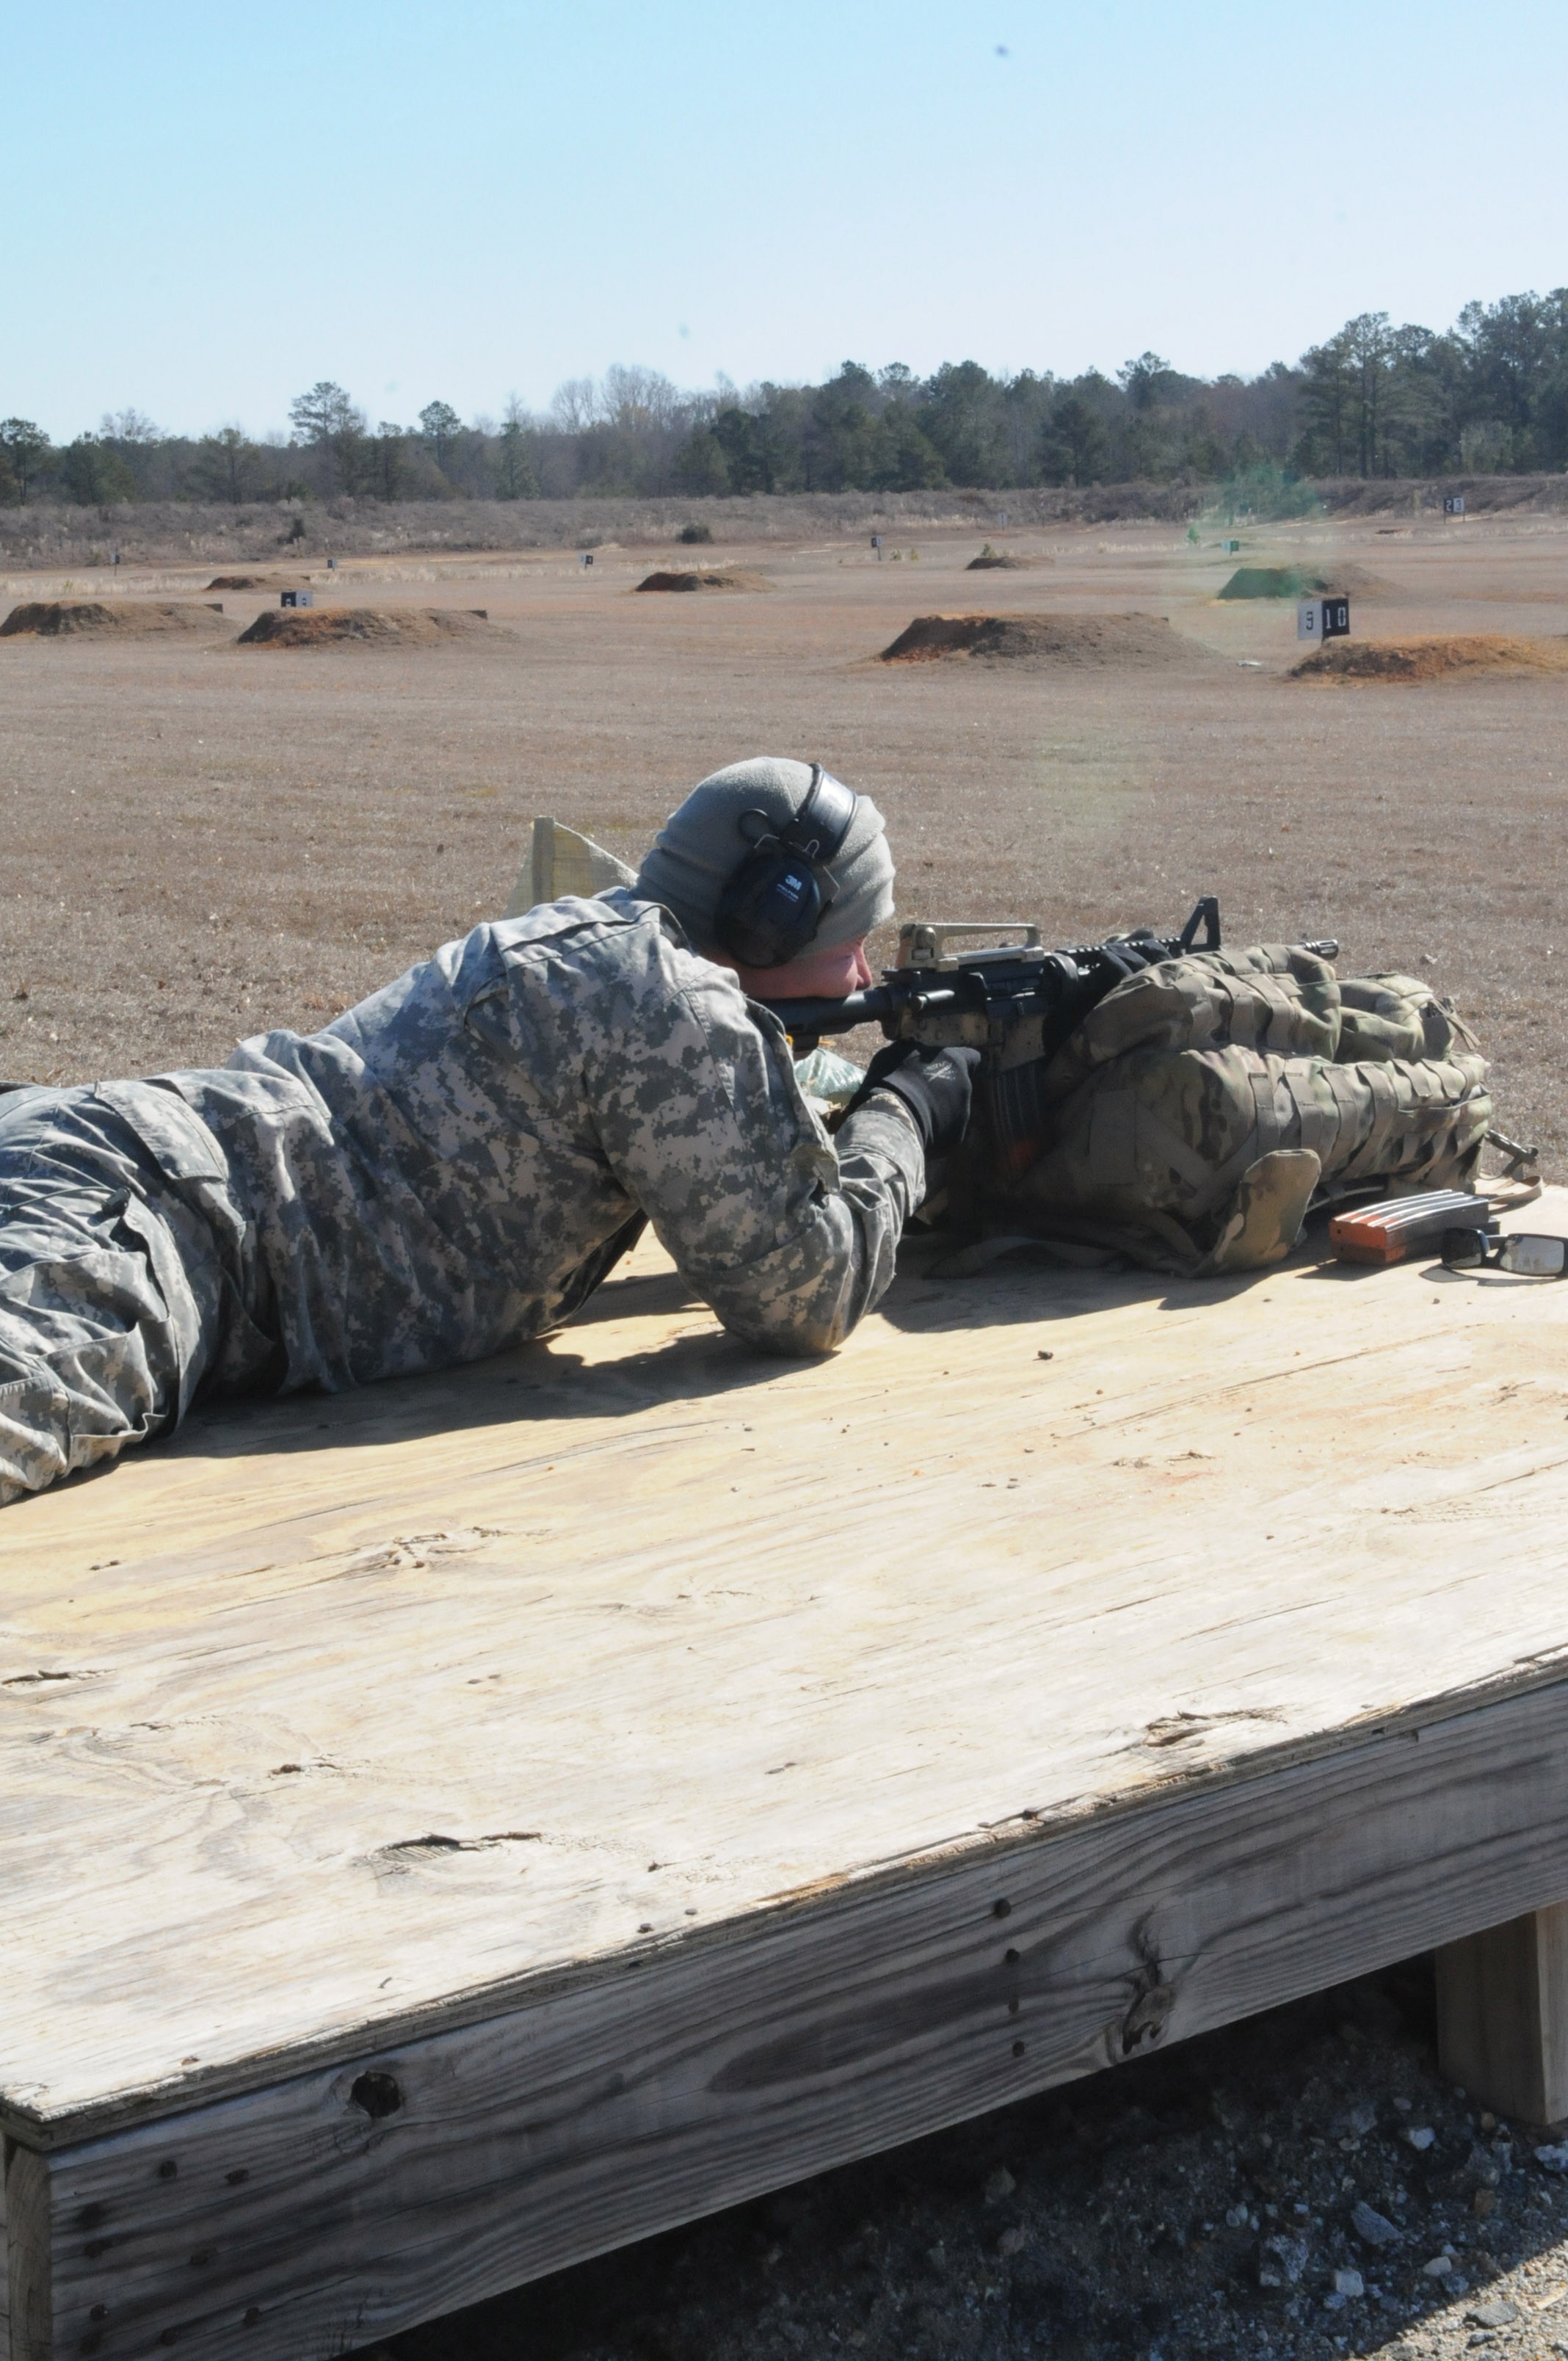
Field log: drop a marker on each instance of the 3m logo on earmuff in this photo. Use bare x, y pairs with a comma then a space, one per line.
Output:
772, 905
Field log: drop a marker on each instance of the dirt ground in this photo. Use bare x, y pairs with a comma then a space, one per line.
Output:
205, 839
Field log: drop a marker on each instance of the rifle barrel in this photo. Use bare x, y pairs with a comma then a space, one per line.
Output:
814, 1016
1091, 965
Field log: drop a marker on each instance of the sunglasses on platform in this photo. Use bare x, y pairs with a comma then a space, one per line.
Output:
1528, 1256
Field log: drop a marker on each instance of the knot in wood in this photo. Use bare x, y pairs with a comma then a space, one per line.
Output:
377, 2095
1144, 2025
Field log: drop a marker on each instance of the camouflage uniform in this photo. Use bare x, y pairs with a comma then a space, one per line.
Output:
449, 1169
1202, 1104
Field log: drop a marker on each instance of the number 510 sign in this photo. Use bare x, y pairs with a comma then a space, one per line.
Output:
1322, 619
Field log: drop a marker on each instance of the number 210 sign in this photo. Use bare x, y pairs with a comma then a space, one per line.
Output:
1322, 619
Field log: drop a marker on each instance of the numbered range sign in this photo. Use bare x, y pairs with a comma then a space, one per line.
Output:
1453, 504
1322, 619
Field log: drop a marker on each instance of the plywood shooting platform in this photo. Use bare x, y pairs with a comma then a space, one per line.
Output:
452, 1831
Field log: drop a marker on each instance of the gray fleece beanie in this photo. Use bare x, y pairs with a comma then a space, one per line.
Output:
702, 843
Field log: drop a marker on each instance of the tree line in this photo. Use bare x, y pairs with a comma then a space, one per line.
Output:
1489, 395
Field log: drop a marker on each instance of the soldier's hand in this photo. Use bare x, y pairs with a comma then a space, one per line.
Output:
935, 1085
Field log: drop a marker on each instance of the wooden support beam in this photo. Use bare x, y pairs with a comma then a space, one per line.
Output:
1502, 2015
296, 2221
30, 2254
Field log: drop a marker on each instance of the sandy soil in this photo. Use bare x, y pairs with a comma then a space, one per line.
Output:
204, 838
1433, 655
121, 618
1052, 643
687, 578
383, 627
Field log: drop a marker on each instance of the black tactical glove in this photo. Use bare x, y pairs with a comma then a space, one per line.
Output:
935, 1085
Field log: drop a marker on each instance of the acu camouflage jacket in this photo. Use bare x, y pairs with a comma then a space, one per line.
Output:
454, 1165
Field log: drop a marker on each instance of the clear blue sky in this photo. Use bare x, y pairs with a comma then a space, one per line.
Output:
209, 207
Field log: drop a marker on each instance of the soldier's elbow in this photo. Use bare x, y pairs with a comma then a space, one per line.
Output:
790, 1339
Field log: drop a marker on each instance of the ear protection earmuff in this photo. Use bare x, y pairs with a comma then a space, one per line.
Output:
774, 903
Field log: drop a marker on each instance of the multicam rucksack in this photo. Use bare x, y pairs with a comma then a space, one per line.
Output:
1205, 1104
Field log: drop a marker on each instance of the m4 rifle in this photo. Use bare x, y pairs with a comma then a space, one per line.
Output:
1016, 1002
1014, 996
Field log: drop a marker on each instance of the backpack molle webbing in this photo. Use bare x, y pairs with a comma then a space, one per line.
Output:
1201, 1105
1273, 997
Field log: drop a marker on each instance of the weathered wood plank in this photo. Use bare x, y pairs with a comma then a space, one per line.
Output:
345, 2204
337, 1723
1502, 2010
29, 2256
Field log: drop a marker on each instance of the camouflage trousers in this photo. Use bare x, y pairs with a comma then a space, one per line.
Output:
121, 1287
1206, 1103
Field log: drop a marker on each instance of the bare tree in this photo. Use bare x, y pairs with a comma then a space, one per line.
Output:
575, 405
637, 399
127, 426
